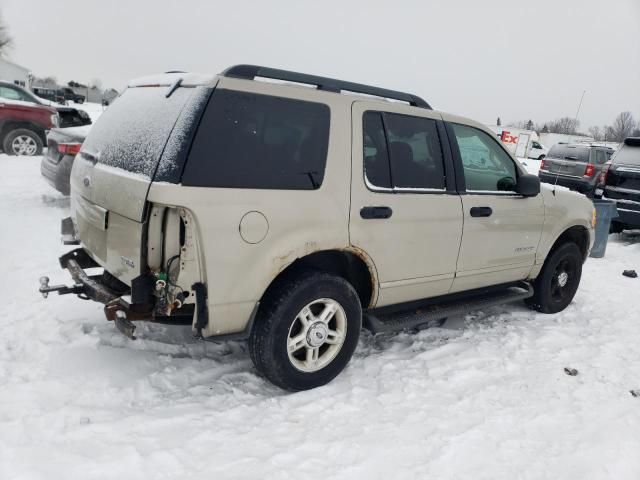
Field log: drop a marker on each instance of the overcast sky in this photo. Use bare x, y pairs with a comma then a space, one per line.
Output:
478, 58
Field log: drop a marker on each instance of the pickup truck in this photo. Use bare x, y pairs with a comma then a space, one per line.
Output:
23, 126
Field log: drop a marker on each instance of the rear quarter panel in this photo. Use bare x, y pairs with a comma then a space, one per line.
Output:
300, 222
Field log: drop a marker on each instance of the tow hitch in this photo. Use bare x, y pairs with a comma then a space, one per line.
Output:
45, 289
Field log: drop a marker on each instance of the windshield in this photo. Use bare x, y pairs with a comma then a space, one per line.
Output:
628, 155
576, 153
17, 93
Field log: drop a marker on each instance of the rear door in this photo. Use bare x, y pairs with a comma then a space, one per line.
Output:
405, 212
501, 228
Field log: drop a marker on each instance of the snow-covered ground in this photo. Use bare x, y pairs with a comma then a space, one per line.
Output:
484, 397
530, 164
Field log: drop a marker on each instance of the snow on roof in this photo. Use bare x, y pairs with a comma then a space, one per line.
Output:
168, 79
10, 101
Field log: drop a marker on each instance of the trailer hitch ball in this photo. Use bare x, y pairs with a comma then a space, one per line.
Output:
44, 284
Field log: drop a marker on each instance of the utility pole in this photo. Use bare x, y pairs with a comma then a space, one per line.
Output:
579, 107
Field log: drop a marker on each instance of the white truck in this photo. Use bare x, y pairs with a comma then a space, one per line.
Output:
522, 143
550, 139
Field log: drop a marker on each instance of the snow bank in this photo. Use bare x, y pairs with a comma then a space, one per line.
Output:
484, 397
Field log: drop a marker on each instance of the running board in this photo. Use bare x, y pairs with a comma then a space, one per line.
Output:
393, 322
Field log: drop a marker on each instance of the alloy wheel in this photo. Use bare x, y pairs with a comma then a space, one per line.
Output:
24, 145
316, 335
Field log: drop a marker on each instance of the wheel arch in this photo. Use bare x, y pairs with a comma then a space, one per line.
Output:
14, 125
577, 234
352, 264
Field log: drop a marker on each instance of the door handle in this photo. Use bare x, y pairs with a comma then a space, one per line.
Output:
375, 212
481, 211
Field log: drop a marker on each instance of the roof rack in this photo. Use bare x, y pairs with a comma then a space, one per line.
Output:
250, 72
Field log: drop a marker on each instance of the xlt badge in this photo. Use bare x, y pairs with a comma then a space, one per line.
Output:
128, 262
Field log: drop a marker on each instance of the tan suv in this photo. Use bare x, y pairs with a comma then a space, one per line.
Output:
290, 209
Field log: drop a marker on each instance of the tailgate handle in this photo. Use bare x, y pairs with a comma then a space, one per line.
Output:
369, 213
481, 211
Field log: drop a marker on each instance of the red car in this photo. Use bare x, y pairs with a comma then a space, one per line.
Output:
23, 126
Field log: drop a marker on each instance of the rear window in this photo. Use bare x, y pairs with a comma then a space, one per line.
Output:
570, 152
247, 140
628, 155
132, 133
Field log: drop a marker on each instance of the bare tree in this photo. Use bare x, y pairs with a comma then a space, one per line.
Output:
96, 83
518, 124
609, 134
623, 126
5, 39
566, 125
596, 132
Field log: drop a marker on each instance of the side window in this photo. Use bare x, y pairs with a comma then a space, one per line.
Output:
376, 157
416, 155
535, 145
10, 93
247, 140
487, 167
402, 152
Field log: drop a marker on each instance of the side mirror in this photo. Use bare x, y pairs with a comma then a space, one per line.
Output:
528, 185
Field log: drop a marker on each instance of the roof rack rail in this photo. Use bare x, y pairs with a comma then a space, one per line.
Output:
250, 72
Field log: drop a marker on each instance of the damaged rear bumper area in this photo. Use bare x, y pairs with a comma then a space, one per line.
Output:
122, 303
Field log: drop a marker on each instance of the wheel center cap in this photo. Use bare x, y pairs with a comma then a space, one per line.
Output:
317, 334
563, 278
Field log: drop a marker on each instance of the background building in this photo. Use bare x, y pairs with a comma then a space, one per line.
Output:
14, 73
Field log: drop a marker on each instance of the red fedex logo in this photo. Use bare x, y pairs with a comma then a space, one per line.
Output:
506, 137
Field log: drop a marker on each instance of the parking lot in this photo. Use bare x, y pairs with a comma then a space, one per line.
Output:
79, 400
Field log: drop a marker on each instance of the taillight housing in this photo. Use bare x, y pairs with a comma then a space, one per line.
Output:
542, 164
602, 179
590, 170
69, 148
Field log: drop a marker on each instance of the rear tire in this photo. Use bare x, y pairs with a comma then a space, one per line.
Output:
22, 141
541, 157
616, 227
558, 281
306, 330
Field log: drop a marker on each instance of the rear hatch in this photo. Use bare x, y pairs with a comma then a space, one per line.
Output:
143, 136
623, 176
567, 160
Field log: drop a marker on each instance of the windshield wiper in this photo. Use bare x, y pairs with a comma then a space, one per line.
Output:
314, 183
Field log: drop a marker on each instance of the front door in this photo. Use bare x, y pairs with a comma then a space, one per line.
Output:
405, 212
501, 228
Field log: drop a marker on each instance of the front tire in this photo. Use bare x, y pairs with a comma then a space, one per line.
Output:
558, 281
306, 331
22, 141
